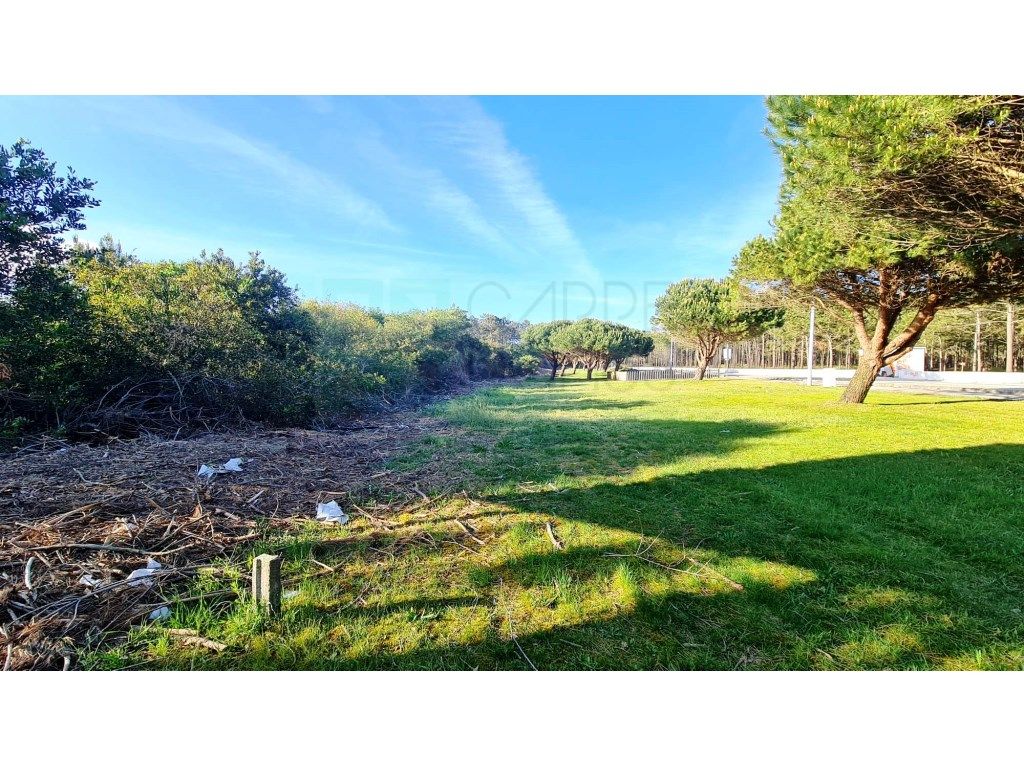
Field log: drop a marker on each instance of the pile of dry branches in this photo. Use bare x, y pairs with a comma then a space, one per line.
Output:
77, 520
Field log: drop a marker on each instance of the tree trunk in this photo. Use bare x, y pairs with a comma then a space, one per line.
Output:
1010, 336
977, 340
703, 360
590, 371
554, 368
881, 350
863, 378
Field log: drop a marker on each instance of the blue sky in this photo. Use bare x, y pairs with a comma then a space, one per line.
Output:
526, 207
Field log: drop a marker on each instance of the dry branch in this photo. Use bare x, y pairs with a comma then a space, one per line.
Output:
102, 510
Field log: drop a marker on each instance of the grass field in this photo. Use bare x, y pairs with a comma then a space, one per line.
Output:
711, 525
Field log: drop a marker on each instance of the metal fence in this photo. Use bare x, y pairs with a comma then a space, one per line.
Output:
655, 374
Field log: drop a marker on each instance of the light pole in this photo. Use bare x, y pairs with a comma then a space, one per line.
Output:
810, 350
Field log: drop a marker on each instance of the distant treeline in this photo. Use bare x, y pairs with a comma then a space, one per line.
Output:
961, 339
106, 343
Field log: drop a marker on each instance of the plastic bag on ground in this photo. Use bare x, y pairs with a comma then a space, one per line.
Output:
331, 513
140, 577
231, 465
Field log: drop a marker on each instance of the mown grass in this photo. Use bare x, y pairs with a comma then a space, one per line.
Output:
880, 536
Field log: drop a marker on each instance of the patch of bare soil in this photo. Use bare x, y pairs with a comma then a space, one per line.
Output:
77, 520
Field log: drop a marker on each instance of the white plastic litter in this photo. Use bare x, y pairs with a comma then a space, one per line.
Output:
231, 465
290, 593
89, 581
140, 577
331, 513
160, 613
125, 526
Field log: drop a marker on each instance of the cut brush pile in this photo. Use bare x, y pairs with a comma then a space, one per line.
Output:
94, 538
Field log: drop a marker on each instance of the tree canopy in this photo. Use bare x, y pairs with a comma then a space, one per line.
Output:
708, 312
541, 338
36, 207
600, 343
880, 214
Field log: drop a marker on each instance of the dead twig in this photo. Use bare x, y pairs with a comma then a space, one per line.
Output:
469, 533
555, 541
704, 566
101, 547
512, 634
191, 637
28, 573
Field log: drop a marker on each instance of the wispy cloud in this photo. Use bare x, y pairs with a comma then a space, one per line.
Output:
438, 192
332, 260
170, 121
697, 243
482, 141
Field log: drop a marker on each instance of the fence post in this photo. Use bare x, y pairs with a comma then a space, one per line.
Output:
266, 583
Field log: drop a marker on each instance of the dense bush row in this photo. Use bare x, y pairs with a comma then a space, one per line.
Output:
95, 341
108, 343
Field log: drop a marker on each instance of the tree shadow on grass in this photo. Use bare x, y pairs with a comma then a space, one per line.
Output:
916, 556
888, 561
611, 446
898, 560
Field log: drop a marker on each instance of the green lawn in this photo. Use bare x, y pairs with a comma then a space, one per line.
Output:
711, 525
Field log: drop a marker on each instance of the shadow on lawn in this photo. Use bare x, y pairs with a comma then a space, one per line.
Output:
898, 560
565, 401
884, 561
610, 446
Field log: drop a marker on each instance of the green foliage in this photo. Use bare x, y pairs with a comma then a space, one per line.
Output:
540, 338
366, 357
598, 342
497, 331
114, 341
36, 207
624, 341
234, 331
894, 207
934, 169
48, 355
841, 219
706, 313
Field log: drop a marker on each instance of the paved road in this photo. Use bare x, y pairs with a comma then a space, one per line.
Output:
951, 390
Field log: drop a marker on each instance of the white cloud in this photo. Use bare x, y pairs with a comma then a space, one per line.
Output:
167, 120
438, 192
696, 243
482, 141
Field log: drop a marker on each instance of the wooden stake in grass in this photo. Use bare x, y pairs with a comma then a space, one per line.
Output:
266, 583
